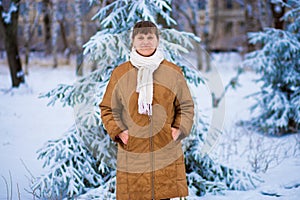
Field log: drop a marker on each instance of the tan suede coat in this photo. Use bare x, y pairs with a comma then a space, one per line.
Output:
151, 165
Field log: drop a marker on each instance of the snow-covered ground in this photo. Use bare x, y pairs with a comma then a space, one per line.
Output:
276, 160
26, 123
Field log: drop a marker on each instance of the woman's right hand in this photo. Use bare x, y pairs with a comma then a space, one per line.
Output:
124, 136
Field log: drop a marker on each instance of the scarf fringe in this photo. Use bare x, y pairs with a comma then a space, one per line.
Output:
145, 109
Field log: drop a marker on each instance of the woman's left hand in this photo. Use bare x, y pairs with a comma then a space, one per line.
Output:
175, 133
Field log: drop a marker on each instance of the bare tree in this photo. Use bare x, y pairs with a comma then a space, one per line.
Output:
47, 25
79, 43
189, 10
28, 5
29, 28
9, 14
62, 11
54, 31
214, 32
206, 34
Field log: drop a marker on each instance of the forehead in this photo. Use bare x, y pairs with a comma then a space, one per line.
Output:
144, 31
145, 34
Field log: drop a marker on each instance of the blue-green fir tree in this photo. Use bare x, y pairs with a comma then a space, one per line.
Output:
277, 107
81, 164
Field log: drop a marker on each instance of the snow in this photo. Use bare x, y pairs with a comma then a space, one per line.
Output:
7, 15
281, 182
27, 123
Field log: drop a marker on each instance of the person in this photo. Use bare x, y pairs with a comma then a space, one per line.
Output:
147, 109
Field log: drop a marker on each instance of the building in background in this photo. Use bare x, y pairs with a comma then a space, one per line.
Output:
227, 25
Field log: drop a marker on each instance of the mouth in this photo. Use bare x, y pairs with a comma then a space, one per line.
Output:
146, 47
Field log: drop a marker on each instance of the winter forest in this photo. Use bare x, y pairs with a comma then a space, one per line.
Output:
241, 61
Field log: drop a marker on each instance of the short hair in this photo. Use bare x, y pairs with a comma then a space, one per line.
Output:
145, 27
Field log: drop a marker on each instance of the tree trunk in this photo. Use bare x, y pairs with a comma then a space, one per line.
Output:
94, 66
28, 5
252, 16
29, 30
54, 28
66, 49
195, 24
199, 59
47, 26
206, 36
199, 50
10, 31
266, 14
277, 12
79, 43
215, 21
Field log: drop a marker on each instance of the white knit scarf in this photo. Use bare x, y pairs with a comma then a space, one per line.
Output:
146, 66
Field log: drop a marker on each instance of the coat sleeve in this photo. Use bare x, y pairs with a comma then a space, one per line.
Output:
111, 109
184, 107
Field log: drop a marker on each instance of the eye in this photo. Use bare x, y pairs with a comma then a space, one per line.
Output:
150, 38
140, 37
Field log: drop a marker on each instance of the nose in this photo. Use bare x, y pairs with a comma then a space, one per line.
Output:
145, 41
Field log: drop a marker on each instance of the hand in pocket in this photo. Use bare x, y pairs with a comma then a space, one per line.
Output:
175, 133
124, 136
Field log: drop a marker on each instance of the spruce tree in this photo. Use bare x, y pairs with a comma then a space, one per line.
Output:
82, 163
277, 109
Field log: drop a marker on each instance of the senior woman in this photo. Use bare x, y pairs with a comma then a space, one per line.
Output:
147, 109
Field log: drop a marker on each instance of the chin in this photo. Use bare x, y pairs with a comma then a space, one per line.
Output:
147, 53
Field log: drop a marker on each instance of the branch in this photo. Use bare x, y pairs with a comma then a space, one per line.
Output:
232, 83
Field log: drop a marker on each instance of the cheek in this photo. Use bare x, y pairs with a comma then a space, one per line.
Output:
155, 43
133, 43
136, 44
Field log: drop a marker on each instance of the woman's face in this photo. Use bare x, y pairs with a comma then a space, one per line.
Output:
145, 44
